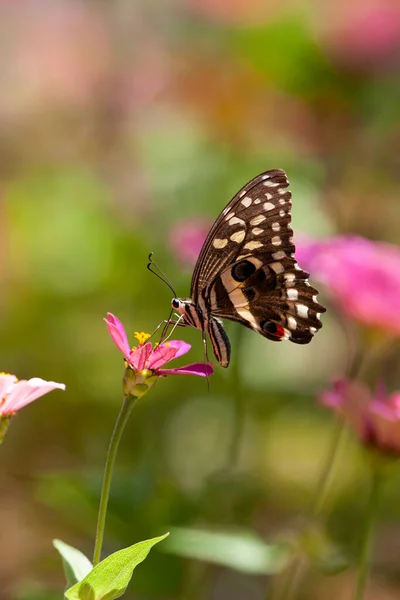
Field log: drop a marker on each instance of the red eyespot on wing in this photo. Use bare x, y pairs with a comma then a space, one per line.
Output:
280, 332
273, 329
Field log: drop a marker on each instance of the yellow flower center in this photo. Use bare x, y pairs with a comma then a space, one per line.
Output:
142, 337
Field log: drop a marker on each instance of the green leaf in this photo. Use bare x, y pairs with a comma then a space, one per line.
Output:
109, 579
76, 564
242, 551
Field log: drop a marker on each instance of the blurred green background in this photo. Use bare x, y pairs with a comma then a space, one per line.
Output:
120, 122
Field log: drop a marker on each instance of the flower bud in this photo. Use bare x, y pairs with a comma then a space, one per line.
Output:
137, 383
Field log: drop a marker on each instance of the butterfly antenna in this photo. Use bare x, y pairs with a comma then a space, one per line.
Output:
159, 273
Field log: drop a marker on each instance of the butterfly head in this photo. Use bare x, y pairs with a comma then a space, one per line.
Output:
191, 315
182, 305
178, 305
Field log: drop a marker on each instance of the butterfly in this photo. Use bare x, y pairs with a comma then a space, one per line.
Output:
247, 272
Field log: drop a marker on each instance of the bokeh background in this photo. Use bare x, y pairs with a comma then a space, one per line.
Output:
123, 126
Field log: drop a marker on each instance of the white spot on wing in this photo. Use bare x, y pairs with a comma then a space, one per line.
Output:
290, 277
271, 184
247, 201
282, 213
302, 310
238, 236
257, 220
268, 196
230, 215
276, 240
278, 255
292, 323
276, 227
257, 230
219, 244
268, 206
257, 201
242, 193
277, 267
282, 201
236, 221
253, 245
313, 330
293, 294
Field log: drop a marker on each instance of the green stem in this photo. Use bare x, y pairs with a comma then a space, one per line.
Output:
105, 491
326, 471
368, 533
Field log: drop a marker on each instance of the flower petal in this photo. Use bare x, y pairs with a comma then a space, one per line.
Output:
386, 422
201, 369
7, 382
161, 356
138, 357
350, 399
182, 347
166, 352
118, 335
24, 392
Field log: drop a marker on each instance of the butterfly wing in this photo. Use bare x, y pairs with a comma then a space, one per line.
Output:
246, 270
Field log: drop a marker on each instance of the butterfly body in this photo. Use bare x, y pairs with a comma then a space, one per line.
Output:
246, 271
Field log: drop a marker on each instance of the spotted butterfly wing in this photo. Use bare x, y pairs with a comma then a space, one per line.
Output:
246, 271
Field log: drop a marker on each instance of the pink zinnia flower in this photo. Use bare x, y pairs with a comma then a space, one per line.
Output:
15, 394
374, 417
366, 34
146, 357
362, 275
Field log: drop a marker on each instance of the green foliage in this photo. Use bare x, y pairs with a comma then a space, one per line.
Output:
76, 564
239, 550
109, 579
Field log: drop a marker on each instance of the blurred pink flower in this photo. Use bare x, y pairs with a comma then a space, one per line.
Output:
186, 239
366, 34
144, 356
375, 418
15, 394
362, 275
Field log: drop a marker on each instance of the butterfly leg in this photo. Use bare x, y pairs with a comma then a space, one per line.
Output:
203, 335
174, 324
166, 323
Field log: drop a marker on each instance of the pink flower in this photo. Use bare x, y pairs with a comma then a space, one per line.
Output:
186, 239
366, 34
375, 418
144, 356
15, 394
363, 277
